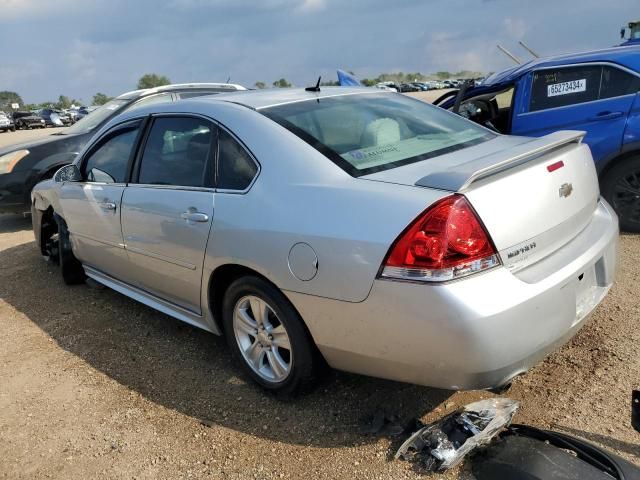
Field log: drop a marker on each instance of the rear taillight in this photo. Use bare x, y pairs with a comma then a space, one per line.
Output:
445, 242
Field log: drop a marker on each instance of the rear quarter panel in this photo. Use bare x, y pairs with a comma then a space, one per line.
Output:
301, 196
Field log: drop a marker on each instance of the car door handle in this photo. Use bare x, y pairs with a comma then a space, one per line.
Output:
606, 116
107, 205
193, 216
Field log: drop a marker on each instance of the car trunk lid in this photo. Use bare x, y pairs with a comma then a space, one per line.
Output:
533, 195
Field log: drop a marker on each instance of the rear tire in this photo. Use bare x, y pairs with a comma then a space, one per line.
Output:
285, 359
70, 267
620, 186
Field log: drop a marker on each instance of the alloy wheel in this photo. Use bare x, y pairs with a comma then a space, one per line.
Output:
262, 339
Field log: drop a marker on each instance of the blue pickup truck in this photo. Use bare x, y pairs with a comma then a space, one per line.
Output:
596, 92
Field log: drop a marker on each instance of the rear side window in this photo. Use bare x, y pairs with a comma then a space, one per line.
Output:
108, 163
616, 82
366, 133
236, 168
565, 86
177, 153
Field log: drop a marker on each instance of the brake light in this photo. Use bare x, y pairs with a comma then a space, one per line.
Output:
446, 241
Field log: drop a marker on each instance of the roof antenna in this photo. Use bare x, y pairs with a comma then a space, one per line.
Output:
316, 88
229, 79
509, 54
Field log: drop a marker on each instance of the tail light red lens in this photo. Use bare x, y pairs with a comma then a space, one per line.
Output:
446, 241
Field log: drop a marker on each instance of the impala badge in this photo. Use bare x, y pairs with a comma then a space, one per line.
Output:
565, 189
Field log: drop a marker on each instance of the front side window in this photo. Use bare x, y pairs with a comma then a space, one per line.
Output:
108, 163
236, 168
177, 153
554, 88
365, 133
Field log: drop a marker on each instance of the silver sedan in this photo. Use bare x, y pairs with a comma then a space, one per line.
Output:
362, 229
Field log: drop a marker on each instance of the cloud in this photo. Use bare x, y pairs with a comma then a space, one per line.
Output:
312, 5
78, 48
515, 27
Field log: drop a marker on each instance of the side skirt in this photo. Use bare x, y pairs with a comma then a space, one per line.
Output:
148, 299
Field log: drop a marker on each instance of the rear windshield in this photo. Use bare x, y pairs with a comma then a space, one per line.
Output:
366, 133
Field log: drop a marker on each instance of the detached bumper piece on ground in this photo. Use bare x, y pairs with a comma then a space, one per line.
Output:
443, 444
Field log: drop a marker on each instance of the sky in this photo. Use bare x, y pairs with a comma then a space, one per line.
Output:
80, 47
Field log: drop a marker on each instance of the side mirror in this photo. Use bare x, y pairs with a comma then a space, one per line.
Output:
68, 173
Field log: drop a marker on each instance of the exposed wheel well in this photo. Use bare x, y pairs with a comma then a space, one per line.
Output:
616, 160
48, 227
220, 279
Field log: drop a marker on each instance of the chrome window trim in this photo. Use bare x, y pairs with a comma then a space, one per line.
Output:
574, 65
171, 187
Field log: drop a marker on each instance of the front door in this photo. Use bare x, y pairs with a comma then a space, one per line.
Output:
91, 208
593, 98
168, 210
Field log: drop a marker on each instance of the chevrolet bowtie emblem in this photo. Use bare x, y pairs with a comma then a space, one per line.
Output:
565, 189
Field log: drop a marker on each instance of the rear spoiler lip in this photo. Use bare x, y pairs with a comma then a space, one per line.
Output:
464, 175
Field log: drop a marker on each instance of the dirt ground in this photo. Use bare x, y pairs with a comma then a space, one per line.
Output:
20, 136
94, 385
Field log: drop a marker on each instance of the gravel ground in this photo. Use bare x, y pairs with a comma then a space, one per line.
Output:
94, 385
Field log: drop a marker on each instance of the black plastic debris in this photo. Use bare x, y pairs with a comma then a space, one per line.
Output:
443, 444
522, 451
383, 423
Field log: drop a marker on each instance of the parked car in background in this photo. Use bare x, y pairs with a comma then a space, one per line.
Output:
73, 114
596, 92
408, 87
423, 87
386, 235
22, 166
388, 86
6, 123
27, 120
82, 112
55, 118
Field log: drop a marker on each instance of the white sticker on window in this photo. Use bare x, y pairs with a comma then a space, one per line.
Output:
566, 88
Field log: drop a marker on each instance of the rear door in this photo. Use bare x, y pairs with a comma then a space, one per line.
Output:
594, 98
167, 209
91, 208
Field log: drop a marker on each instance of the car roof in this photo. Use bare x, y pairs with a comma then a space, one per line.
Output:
232, 87
626, 56
271, 97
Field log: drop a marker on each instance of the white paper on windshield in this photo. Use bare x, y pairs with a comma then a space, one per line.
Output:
565, 88
368, 157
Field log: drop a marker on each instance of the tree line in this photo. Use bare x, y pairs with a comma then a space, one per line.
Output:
152, 80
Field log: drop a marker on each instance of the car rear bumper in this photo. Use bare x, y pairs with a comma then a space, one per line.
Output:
473, 333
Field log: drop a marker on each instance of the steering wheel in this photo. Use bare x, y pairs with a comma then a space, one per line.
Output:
481, 111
